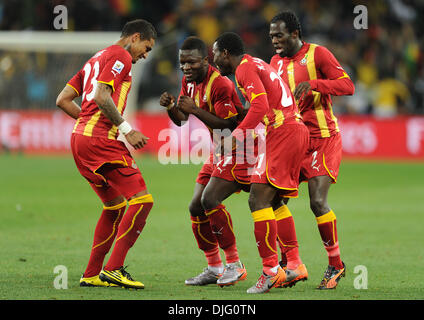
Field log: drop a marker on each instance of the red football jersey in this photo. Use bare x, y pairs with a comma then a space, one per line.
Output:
317, 65
270, 98
216, 94
111, 66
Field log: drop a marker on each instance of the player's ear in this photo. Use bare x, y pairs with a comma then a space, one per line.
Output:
136, 37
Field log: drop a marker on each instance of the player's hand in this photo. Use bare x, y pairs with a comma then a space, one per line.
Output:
166, 100
187, 105
302, 90
136, 139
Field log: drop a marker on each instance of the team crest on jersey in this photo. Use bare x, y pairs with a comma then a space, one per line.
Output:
117, 67
304, 60
205, 98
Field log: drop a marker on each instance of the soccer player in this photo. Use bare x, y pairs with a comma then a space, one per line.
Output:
105, 162
314, 74
213, 99
277, 170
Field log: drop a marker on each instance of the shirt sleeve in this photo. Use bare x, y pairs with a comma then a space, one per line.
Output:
116, 68
254, 91
336, 81
222, 101
76, 83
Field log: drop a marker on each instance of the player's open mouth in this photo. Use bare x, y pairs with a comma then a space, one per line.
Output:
279, 50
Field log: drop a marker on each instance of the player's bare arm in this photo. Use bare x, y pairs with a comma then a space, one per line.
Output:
167, 100
187, 105
106, 105
65, 101
105, 102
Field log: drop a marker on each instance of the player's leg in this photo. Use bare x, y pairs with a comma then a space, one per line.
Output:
104, 235
114, 205
216, 191
206, 240
265, 229
283, 260
326, 220
130, 183
295, 269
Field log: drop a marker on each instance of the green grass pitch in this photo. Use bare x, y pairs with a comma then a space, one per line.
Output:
48, 214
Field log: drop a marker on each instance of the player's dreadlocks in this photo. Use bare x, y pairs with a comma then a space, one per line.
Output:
145, 28
232, 42
193, 43
291, 21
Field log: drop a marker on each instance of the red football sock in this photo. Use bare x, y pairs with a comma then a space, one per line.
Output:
282, 250
104, 235
328, 231
222, 227
129, 229
213, 257
206, 240
287, 237
266, 238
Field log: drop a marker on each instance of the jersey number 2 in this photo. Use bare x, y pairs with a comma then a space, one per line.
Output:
286, 100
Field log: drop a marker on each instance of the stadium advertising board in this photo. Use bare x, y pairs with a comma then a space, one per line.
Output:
363, 137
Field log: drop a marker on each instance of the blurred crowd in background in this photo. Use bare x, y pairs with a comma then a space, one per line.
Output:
386, 60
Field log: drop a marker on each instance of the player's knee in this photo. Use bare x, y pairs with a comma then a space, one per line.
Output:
319, 205
209, 202
114, 202
255, 203
195, 209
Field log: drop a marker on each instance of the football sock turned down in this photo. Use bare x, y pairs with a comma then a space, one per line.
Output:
328, 230
265, 229
287, 239
104, 235
129, 229
206, 240
222, 227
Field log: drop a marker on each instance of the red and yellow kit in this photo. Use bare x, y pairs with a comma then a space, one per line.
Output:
217, 95
318, 66
94, 139
113, 67
272, 103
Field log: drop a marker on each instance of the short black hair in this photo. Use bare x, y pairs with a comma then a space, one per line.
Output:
291, 21
232, 42
145, 28
193, 43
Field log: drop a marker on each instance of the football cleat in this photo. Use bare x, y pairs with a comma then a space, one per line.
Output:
332, 277
294, 276
95, 282
121, 278
233, 273
267, 282
204, 278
